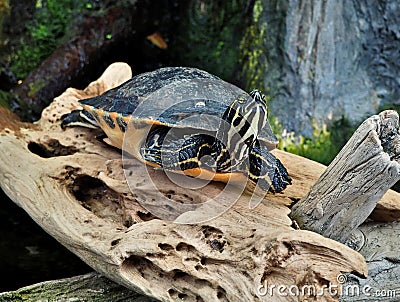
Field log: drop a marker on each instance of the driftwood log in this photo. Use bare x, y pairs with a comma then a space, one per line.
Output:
73, 185
90, 287
349, 189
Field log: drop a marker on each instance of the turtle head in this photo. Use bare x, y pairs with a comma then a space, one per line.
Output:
246, 116
255, 111
242, 122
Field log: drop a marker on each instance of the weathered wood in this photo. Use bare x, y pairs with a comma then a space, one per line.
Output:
90, 287
348, 191
307, 172
379, 244
74, 186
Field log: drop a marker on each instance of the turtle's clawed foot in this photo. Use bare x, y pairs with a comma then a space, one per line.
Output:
266, 171
281, 178
80, 118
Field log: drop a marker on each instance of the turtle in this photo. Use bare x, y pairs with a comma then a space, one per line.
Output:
188, 121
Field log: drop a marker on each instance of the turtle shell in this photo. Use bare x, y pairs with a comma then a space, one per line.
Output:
175, 97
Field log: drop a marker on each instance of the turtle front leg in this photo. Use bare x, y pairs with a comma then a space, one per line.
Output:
266, 171
175, 150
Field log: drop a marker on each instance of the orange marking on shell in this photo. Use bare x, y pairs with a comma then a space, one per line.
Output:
126, 119
210, 175
114, 115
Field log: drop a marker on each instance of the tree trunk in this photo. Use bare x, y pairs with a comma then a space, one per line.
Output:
72, 58
305, 56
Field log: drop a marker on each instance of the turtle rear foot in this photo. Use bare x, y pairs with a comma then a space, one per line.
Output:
78, 117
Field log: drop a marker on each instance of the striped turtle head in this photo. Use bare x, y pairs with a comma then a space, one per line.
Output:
242, 122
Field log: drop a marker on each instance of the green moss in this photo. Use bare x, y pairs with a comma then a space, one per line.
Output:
45, 32
35, 87
5, 98
341, 131
260, 58
4, 11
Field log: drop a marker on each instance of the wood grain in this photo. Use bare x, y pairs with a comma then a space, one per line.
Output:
350, 188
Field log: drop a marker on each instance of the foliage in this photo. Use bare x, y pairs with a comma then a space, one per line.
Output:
322, 147
253, 49
208, 36
45, 32
5, 98
389, 107
341, 131
4, 11
4, 6
260, 58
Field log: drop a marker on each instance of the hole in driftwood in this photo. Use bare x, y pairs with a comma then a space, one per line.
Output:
178, 274
172, 292
146, 216
203, 283
98, 198
221, 294
115, 242
51, 148
182, 296
177, 197
217, 245
128, 222
165, 246
210, 231
135, 266
182, 246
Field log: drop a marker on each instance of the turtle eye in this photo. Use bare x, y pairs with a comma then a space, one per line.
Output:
264, 98
242, 99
